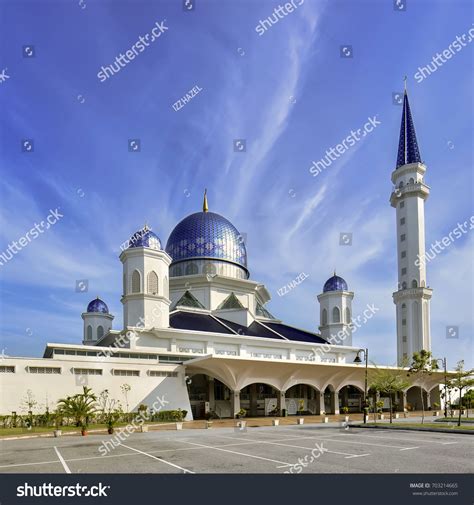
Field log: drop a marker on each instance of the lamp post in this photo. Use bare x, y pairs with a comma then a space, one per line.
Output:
358, 360
443, 361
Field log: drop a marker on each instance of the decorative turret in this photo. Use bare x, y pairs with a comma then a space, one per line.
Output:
97, 321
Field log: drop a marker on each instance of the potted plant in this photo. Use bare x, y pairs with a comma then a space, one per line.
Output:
300, 420
57, 424
436, 409
379, 406
275, 422
324, 419
179, 416
240, 415
345, 410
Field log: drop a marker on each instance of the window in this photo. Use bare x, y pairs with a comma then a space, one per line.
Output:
100, 332
404, 285
411, 181
178, 271
402, 220
401, 184
348, 315
152, 283
157, 373
7, 369
414, 284
404, 322
404, 338
126, 373
336, 315
44, 369
136, 281
404, 271
402, 204
191, 269
231, 302
402, 237
87, 371
324, 318
404, 254
189, 300
89, 332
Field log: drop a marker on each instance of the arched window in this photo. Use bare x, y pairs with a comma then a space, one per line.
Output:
166, 287
191, 269
401, 184
209, 268
136, 281
89, 332
348, 315
100, 332
411, 181
404, 285
152, 283
336, 315
414, 284
178, 271
324, 318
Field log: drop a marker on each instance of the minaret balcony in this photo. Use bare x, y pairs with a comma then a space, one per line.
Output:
419, 189
412, 293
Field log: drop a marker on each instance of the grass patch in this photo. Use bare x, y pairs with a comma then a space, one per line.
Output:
401, 426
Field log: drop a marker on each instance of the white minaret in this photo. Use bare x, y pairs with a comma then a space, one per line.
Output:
408, 198
145, 282
335, 311
97, 321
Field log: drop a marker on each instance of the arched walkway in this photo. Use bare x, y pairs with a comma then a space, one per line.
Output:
352, 397
209, 397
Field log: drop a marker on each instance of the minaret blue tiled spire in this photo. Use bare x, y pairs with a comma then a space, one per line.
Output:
408, 151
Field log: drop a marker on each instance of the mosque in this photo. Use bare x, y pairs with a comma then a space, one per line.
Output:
197, 331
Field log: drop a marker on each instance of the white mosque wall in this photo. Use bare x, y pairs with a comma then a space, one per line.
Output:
48, 388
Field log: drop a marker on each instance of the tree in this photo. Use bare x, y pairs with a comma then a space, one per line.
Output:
468, 400
388, 382
462, 379
422, 366
125, 390
109, 408
80, 407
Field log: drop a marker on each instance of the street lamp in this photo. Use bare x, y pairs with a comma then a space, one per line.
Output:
443, 361
358, 360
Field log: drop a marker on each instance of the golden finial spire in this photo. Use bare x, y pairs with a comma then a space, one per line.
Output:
205, 208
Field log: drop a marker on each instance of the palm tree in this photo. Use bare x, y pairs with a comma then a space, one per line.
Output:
80, 407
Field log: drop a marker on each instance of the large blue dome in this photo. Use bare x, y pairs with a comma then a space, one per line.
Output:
145, 238
98, 305
335, 283
207, 235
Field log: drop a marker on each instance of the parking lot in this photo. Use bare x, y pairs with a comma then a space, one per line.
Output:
279, 449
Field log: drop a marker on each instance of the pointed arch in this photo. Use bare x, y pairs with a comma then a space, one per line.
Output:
152, 283
89, 332
324, 318
191, 269
414, 283
136, 281
100, 332
336, 315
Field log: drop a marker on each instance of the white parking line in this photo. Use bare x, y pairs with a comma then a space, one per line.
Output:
237, 453
66, 468
409, 448
158, 459
397, 438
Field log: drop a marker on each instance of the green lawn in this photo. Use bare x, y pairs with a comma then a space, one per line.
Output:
437, 425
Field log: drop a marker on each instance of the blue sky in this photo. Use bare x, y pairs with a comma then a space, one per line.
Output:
288, 93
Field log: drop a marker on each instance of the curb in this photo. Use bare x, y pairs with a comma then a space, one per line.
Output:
411, 428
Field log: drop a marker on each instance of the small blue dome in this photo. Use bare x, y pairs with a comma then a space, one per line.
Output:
145, 238
335, 283
207, 235
98, 305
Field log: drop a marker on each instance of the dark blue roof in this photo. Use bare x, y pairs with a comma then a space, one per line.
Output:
207, 235
204, 322
145, 238
335, 283
98, 305
408, 151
